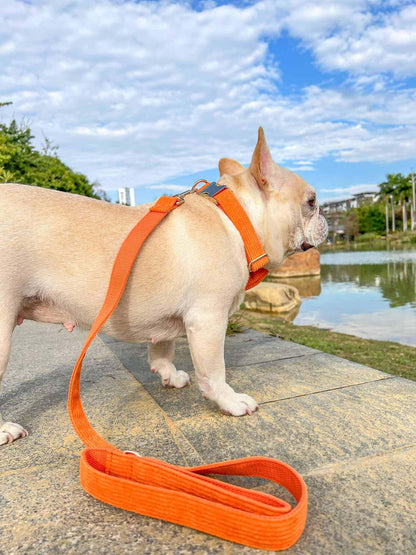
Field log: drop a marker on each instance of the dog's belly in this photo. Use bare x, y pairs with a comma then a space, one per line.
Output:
166, 329
35, 309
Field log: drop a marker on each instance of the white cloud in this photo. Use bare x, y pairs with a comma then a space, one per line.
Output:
302, 168
137, 92
341, 193
152, 89
358, 36
352, 190
174, 188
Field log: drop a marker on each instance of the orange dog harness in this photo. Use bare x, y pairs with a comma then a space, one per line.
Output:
187, 496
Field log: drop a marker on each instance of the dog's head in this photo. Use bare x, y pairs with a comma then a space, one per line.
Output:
281, 205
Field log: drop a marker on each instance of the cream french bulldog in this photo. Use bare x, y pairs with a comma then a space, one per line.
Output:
57, 251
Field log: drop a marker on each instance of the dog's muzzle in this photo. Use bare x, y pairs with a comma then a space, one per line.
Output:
315, 232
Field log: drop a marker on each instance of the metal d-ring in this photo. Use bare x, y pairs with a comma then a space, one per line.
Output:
180, 198
197, 183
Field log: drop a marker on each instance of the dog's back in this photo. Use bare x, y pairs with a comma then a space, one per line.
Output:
57, 251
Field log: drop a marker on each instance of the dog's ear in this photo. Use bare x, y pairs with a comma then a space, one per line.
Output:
261, 164
230, 167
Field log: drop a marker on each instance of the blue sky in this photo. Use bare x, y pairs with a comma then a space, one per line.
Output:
152, 94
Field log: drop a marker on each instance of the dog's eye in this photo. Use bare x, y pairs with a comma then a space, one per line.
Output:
312, 202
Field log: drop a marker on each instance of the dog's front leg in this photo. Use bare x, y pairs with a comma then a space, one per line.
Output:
206, 334
160, 356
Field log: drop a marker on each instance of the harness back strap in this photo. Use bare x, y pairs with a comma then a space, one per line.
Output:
178, 494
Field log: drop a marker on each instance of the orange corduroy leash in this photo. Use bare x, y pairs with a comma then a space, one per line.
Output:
178, 494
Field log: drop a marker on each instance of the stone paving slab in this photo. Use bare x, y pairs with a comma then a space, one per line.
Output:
350, 430
366, 506
46, 511
250, 347
330, 427
35, 390
274, 370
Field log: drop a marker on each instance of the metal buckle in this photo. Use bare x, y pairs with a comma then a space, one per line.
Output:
255, 260
211, 190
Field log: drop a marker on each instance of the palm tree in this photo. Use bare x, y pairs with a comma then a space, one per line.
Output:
404, 194
387, 190
396, 188
413, 201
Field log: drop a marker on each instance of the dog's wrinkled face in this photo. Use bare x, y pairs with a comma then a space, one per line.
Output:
305, 226
282, 205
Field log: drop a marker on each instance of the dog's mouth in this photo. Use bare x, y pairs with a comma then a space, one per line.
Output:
305, 246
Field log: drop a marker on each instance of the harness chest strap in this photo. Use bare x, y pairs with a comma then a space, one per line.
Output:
178, 494
228, 203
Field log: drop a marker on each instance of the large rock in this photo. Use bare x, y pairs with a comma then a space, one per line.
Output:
272, 297
300, 264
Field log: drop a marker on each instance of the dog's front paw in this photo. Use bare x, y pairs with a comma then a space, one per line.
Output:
11, 431
237, 404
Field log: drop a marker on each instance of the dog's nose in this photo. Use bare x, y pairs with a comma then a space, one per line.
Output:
306, 246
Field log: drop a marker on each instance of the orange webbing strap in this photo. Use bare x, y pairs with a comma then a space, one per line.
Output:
177, 494
119, 275
256, 257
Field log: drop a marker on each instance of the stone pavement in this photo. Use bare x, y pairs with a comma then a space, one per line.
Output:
348, 429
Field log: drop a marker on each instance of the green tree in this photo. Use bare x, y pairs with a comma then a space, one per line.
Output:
351, 224
371, 218
22, 163
398, 189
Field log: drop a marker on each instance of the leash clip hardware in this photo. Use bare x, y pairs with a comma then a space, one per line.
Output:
255, 260
132, 453
180, 198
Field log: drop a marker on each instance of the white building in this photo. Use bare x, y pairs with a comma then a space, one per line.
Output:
126, 196
357, 200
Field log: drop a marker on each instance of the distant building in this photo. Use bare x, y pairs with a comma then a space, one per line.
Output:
366, 197
126, 196
334, 210
355, 201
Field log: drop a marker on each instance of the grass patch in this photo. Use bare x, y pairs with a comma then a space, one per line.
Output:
398, 239
393, 358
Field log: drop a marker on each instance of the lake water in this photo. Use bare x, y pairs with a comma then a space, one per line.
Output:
371, 294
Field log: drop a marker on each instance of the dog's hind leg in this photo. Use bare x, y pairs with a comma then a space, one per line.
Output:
8, 317
160, 356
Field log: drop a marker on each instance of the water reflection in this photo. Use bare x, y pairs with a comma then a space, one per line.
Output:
307, 286
370, 294
395, 280
291, 315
